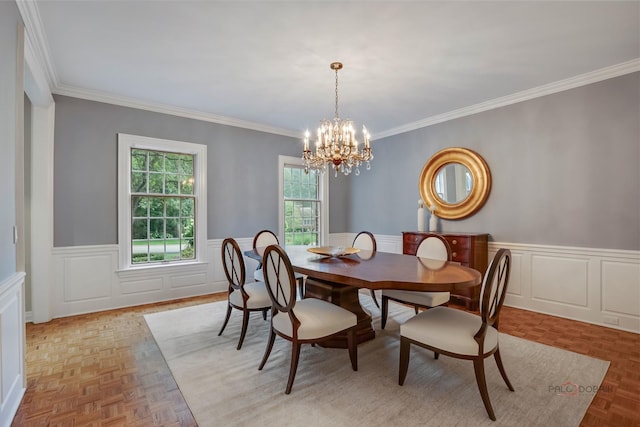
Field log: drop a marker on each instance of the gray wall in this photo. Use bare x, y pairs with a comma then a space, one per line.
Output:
565, 170
9, 19
242, 170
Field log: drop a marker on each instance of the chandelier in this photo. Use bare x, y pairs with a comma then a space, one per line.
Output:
336, 143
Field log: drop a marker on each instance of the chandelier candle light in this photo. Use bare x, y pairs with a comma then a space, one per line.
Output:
337, 143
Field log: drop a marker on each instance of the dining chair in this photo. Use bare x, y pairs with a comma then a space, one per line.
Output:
247, 297
366, 241
307, 321
433, 246
266, 238
462, 334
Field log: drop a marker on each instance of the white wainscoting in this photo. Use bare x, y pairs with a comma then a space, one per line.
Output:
599, 286
86, 279
13, 381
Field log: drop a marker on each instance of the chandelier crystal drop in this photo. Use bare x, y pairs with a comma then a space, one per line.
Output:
336, 143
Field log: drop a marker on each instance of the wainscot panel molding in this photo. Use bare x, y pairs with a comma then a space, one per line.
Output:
87, 279
599, 286
13, 379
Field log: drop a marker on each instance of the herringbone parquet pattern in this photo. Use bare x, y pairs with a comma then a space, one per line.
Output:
105, 369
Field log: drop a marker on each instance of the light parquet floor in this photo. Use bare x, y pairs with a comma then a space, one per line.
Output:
105, 369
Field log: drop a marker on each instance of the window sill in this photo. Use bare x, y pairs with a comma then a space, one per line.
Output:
159, 269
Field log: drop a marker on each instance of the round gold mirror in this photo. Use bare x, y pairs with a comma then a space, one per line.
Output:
456, 181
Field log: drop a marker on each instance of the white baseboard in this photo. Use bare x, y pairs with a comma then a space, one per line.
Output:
598, 286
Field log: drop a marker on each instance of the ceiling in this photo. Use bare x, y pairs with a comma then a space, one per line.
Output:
265, 64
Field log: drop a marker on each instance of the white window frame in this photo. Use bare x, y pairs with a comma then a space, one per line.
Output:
323, 193
125, 144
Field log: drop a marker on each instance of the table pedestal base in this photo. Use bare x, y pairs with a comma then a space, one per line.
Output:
345, 297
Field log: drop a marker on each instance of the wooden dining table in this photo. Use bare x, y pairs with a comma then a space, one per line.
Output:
338, 279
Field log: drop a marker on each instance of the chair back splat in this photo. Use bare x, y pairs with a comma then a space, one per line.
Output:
280, 279
265, 238
365, 240
233, 264
494, 287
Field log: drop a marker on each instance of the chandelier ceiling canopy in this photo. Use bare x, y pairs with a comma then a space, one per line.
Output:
336, 143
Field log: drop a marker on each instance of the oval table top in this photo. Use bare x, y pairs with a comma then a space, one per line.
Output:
382, 270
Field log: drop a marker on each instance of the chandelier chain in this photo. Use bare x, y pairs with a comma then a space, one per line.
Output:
337, 116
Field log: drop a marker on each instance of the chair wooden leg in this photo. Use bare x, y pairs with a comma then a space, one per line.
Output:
415, 308
436, 355
352, 344
478, 366
267, 352
384, 311
295, 355
375, 300
498, 359
264, 314
245, 323
226, 320
405, 347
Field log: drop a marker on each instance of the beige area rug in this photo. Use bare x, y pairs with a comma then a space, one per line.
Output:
223, 386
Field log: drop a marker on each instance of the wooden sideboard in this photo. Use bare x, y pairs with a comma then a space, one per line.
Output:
469, 249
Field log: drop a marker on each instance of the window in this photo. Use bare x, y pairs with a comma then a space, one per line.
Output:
303, 207
162, 203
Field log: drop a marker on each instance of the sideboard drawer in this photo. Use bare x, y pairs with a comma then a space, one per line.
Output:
458, 243
409, 248
411, 239
461, 256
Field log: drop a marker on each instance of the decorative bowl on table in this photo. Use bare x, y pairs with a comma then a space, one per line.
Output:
333, 251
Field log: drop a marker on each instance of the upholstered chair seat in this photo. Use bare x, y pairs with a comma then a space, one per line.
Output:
317, 319
449, 330
426, 299
258, 296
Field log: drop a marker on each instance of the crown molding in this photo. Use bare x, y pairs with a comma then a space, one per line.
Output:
559, 86
108, 98
37, 39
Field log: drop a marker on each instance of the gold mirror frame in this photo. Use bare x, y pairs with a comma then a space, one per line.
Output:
479, 191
